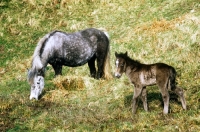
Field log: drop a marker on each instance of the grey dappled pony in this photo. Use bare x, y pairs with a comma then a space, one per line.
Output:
69, 49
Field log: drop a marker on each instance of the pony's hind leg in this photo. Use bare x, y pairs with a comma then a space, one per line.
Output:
102, 51
100, 65
91, 64
144, 98
179, 91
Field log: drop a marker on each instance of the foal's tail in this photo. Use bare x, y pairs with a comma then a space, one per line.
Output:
107, 67
172, 79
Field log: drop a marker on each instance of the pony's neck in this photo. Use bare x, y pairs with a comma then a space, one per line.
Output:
37, 63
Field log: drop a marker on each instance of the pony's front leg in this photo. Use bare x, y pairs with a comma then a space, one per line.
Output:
144, 98
57, 68
137, 93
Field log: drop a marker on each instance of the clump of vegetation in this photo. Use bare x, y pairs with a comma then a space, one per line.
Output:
69, 83
151, 31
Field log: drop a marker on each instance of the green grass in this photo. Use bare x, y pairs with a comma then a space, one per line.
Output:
150, 30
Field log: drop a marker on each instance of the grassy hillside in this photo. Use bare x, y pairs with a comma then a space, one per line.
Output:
150, 30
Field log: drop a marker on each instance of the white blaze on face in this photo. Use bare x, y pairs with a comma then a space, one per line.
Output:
117, 74
37, 87
117, 63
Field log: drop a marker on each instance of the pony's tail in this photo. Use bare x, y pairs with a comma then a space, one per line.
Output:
172, 79
107, 67
36, 60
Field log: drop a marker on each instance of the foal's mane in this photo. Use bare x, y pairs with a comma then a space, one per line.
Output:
130, 61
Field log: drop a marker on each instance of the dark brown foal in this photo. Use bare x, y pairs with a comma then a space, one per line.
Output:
142, 75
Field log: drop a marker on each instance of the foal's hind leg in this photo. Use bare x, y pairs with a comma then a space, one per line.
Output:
180, 93
91, 64
165, 97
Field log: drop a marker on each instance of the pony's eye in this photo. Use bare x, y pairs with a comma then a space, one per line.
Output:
38, 82
33, 87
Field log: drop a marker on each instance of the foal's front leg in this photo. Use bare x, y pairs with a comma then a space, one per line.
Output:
137, 93
144, 98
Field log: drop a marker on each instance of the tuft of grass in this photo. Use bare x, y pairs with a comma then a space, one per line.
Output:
69, 83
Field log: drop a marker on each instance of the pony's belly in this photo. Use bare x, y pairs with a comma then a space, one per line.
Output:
68, 61
74, 63
77, 59
72, 55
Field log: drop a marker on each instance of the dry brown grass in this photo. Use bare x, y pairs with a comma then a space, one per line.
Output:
69, 82
157, 26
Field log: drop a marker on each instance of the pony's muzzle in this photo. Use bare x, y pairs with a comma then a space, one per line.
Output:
32, 97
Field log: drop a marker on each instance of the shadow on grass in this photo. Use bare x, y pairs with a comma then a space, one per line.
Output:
14, 112
151, 97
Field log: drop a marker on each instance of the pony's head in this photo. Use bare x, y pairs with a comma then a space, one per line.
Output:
120, 64
36, 80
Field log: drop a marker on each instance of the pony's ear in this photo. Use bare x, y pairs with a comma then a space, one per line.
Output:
41, 71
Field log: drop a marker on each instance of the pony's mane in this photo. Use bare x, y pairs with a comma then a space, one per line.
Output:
36, 59
31, 74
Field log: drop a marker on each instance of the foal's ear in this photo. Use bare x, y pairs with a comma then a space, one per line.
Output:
126, 53
116, 54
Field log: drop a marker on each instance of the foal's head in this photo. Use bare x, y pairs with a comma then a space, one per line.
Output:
120, 64
36, 80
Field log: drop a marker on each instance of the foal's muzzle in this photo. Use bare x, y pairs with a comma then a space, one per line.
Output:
118, 75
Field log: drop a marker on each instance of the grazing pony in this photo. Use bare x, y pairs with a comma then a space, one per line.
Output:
69, 49
142, 75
